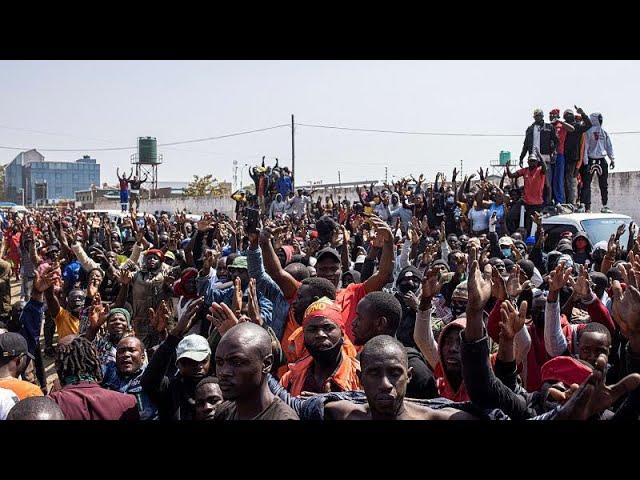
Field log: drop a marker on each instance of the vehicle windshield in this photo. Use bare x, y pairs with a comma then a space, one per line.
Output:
601, 229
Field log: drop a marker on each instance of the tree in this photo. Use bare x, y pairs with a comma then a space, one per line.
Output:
201, 186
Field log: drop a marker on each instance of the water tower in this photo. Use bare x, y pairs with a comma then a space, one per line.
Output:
146, 162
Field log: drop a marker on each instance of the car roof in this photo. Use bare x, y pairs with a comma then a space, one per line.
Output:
579, 217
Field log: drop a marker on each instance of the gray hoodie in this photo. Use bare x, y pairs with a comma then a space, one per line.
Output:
598, 143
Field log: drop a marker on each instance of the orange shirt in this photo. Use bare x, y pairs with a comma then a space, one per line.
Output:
346, 298
533, 185
345, 377
21, 388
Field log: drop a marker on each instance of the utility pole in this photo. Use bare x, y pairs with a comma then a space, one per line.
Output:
461, 169
339, 181
293, 153
386, 174
235, 174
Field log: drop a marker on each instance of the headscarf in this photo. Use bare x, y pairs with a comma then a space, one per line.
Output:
122, 311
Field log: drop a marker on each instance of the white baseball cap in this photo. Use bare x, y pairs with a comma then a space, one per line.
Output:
195, 347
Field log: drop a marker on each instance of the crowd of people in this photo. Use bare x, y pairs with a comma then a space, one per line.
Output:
572, 150
419, 300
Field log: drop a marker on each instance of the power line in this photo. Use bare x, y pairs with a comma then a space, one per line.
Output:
111, 149
435, 134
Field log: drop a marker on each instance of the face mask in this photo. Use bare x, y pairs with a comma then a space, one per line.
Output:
457, 310
506, 252
407, 287
324, 356
450, 200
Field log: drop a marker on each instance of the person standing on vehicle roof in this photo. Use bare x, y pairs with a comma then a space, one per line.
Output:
572, 149
597, 147
541, 140
562, 130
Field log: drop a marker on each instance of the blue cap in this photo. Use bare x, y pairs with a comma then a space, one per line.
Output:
530, 241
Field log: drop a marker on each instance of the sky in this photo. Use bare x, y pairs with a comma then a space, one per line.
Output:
85, 105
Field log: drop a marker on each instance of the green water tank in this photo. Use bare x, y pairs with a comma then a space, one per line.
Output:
505, 157
147, 150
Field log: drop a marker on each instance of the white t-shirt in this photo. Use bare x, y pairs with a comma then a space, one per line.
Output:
7, 400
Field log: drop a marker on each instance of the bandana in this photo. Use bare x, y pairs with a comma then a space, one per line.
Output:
324, 308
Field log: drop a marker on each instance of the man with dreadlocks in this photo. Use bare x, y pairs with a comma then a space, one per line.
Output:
81, 396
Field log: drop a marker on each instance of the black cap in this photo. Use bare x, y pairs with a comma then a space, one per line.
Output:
328, 251
12, 345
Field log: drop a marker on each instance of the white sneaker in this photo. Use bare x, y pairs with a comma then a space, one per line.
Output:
605, 209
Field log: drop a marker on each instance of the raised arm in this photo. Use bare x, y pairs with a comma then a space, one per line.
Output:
555, 342
285, 281
384, 240
422, 332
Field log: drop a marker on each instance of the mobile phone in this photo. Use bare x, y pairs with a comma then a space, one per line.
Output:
253, 217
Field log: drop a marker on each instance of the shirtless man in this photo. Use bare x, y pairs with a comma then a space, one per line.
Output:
385, 375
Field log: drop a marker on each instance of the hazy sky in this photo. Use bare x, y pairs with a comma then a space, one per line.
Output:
98, 104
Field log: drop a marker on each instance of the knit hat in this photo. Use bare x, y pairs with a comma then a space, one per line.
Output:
442, 263
122, 311
555, 111
567, 370
460, 291
409, 271
538, 111
170, 255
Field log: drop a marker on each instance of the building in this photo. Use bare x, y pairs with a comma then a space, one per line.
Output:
30, 180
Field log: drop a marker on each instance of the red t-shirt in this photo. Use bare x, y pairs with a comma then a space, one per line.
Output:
533, 185
561, 133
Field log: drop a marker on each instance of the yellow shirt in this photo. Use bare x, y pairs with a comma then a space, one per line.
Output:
66, 324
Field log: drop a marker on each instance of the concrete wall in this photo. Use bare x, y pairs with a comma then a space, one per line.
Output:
624, 197
193, 205
624, 194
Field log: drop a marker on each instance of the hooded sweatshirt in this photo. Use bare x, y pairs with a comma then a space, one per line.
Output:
597, 141
408, 321
584, 258
444, 386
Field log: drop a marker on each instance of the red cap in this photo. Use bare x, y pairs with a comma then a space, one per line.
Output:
567, 370
155, 251
555, 111
324, 308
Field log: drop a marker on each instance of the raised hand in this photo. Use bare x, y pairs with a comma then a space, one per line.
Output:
236, 303
97, 313
47, 280
512, 319
514, 287
125, 276
188, 316
558, 278
612, 247
222, 318
253, 305
205, 224
478, 285
593, 397
537, 218
582, 286
626, 309
498, 286
620, 231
